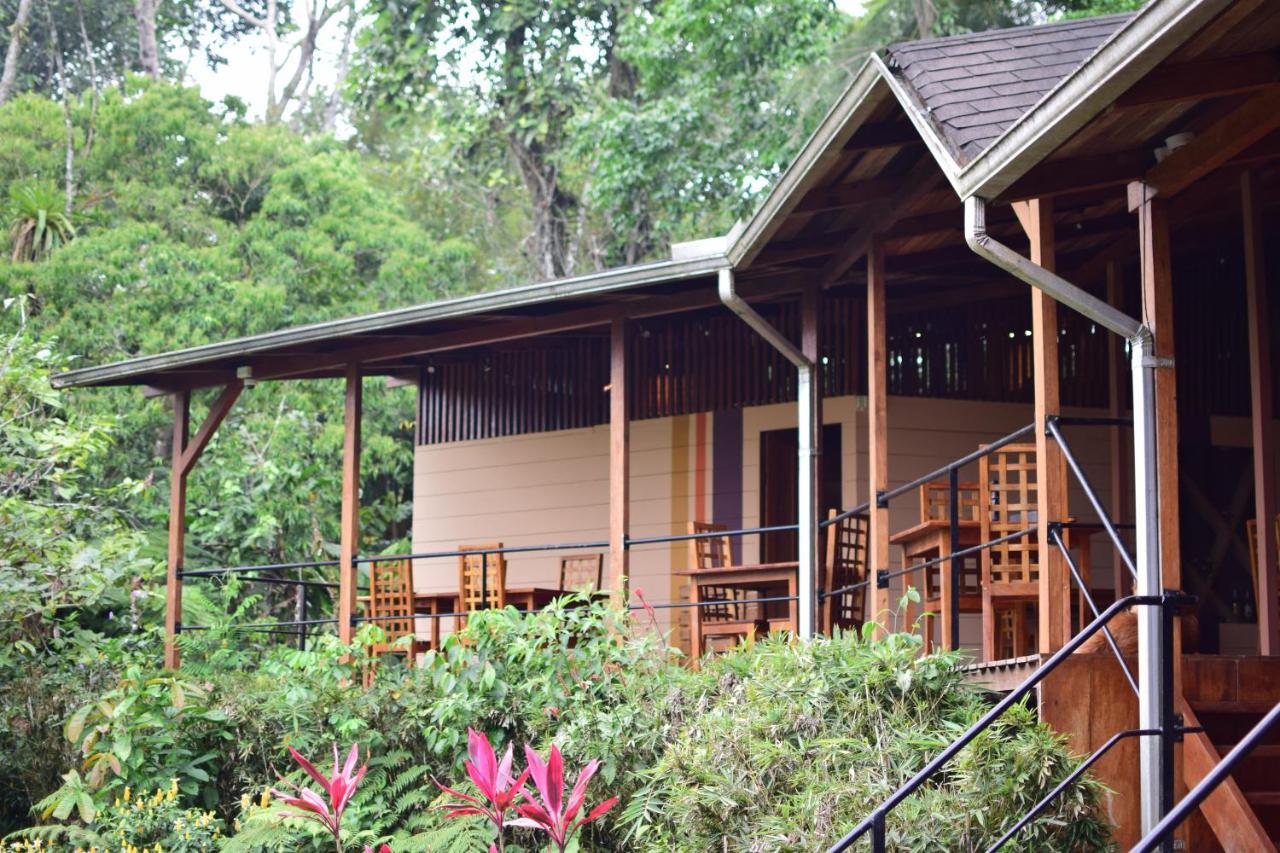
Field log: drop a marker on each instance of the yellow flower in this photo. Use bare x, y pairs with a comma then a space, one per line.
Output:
265, 800
126, 793
245, 802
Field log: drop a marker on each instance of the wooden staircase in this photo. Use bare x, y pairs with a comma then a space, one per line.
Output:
1244, 813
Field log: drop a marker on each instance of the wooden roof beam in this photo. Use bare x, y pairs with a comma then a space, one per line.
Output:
923, 177
1203, 78
842, 196
1217, 145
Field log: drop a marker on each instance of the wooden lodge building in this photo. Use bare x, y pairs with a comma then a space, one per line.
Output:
948, 261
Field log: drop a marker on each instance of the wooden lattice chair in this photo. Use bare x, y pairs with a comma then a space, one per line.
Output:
1010, 570
391, 607
845, 565
935, 501
730, 615
1251, 527
935, 505
582, 573
482, 578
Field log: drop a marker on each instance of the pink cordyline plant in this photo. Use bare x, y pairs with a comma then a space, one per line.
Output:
498, 790
552, 813
338, 789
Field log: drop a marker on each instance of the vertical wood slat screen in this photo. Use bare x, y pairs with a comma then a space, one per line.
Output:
711, 361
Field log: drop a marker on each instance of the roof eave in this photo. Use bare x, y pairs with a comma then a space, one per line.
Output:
1136, 48
527, 295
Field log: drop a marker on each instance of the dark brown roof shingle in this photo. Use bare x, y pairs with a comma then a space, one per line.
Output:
974, 86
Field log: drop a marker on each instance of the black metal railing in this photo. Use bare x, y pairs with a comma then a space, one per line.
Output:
875, 823
1162, 832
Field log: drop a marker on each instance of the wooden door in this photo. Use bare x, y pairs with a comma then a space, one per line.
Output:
779, 454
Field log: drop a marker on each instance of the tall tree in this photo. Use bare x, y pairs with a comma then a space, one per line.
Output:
145, 12
512, 74
301, 52
17, 32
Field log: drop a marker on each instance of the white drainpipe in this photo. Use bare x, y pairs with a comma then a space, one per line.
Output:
808, 423
1146, 507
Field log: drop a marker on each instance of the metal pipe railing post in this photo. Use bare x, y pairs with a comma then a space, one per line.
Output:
484, 580
878, 833
1168, 722
1149, 582
953, 512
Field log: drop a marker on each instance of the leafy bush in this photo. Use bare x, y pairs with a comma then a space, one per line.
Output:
779, 746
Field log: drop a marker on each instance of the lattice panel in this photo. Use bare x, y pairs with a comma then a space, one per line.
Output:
847, 564
391, 594
935, 501
1009, 479
482, 578
582, 574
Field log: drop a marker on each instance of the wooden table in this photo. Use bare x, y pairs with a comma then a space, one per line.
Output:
929, 540
768, 579
437, 605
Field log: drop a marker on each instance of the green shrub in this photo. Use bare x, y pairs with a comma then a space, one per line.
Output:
780, 746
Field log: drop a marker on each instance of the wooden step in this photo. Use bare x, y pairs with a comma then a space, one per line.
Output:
1231, 815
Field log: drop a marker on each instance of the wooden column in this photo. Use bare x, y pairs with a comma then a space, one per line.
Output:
1117, 381
1157, 315
186, 451
1258, 318
877, 430
619, 460
177, 527
349, 533
1055, 582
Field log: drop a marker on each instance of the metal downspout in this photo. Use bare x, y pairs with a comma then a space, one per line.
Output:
1152, 693
808, 421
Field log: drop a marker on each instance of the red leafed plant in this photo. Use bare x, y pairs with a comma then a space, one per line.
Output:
498, 790
552, 813
338, 789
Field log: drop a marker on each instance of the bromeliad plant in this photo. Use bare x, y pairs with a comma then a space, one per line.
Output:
338, 789
499, 793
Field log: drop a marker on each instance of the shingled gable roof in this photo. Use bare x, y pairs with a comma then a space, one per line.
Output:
973, 87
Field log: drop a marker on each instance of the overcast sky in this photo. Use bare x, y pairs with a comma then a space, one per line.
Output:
245, 73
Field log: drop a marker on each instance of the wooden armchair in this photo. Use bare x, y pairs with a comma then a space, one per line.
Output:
845, 564
731, 615
935, 505
482, 578
583, 573
1010, 570
391, 605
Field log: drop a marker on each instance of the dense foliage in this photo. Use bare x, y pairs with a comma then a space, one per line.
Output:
777, 746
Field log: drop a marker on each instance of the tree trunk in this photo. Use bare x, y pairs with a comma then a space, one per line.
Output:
144, 12
69, 164
926, 14
16, 34
344, 65
92, 129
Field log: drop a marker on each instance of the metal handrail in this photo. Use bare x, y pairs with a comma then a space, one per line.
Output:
1067, 782
1162, 830
1056, 536
1051, 424
875, 822
969, 458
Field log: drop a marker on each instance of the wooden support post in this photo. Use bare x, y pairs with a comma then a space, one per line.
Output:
1258, 316
877, 429
177, 527
349, 532
1051, 486
1117, 380
186, 451
619, 461
1157, 314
